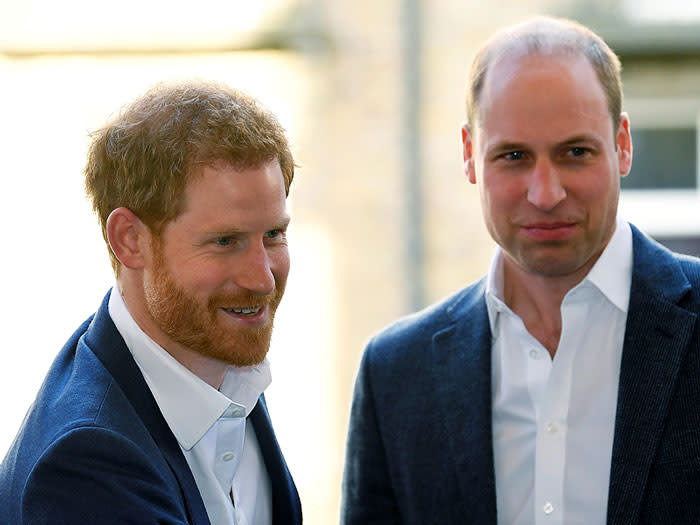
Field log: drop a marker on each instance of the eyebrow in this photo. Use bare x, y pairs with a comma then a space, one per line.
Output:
580, 138
521, 146
282, 224
500, 147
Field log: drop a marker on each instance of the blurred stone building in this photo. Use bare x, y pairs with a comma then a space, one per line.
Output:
355, 177
388, 220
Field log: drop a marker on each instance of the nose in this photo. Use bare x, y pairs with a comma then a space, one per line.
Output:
254, 272
545, 189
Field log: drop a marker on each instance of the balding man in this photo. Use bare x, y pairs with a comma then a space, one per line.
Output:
563, 387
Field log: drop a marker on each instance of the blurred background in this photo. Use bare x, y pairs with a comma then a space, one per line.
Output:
384, 221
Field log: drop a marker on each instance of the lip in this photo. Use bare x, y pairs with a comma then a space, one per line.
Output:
258, 318
554, 231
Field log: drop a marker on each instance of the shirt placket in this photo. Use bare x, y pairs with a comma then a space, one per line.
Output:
229, 448
552, 422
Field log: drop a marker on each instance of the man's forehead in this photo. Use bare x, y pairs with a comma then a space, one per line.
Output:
507, 69
201, 175
519, 59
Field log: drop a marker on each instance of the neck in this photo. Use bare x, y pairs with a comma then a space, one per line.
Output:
537, 299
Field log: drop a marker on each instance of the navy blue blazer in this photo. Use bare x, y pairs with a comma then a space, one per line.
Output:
420, 448
94, 447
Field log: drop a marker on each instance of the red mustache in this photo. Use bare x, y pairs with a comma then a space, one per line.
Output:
244, 300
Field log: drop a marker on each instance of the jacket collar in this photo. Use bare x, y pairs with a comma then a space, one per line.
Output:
657, 335
286, 507
105, 342
462, 378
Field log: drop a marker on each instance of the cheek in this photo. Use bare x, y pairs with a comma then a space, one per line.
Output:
279, 264
599, 193
205, 277
499, 198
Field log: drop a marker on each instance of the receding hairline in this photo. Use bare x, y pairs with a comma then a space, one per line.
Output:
546, 36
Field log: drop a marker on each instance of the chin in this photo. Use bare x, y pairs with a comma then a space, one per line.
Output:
248, 348
240, 360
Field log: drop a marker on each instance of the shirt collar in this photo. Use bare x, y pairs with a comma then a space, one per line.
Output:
189, 405
611, 274
494, 289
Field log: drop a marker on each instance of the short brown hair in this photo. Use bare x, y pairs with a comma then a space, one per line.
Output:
143, 159
547, 35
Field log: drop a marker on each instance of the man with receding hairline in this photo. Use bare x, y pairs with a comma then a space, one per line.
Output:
154, 411
561, 388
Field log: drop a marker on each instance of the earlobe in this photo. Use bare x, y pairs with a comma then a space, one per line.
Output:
126, 234
467, 147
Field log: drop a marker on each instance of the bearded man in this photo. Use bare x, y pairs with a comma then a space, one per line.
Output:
154, 412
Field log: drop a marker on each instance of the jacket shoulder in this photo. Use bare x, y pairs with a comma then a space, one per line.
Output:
660, 272
691, 268
81, 441
415, 331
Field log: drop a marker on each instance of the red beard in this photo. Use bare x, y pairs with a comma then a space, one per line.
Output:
198, 327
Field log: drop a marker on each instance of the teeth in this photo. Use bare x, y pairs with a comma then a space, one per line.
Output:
244, 311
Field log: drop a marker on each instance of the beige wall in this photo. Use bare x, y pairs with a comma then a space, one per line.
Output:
352, 167
351, 176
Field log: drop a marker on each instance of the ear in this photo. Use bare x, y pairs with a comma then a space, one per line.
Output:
623, 142
467, 147
128, 237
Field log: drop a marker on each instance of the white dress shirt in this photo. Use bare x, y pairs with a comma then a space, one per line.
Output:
554, 419
210, 425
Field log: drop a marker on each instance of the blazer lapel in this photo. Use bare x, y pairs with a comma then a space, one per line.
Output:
657, 334
286, 507
462, 378
105, 341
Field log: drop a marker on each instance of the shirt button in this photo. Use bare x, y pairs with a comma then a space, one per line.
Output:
228, 456
238, 412
534, 354
552, 428
548, 508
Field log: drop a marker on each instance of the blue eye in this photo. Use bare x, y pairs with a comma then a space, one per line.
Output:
514, 155
577, 152
223, 241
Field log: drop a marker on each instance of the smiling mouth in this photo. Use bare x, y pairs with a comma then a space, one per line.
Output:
246, 312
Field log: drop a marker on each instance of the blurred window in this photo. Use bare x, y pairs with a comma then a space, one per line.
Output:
661, 195
664, 158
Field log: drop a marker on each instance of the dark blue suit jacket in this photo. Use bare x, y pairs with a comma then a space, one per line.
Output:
420, 446
94, 447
